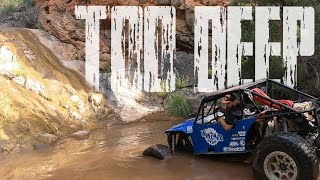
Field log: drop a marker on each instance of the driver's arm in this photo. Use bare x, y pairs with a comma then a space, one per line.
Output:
225, 126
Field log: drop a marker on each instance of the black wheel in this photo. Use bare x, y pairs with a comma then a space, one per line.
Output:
158, 151
285, 156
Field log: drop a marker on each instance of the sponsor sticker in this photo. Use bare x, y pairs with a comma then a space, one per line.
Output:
237, 138
211, 136
242, 133
242, 143
189, 129
238, 149
235, 135
233, 144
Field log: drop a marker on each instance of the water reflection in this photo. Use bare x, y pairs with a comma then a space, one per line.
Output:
115, 153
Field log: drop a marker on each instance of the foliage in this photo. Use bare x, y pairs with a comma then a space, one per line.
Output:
307, 67
179, 104
163, 92
11, 6
279, 92
209, 73
77, 56
181, 81
82, 23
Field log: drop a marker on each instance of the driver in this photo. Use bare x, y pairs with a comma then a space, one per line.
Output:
232, 106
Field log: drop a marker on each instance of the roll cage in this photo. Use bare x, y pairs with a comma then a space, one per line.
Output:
284, 111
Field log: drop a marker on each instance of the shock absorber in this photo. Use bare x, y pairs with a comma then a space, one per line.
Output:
173, 142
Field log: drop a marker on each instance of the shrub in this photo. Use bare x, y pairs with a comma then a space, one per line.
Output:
163, 92
10, 6
181, 81
209, 73
179, 104
76, 56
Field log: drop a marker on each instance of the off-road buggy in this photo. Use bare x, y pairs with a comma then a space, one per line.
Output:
282, 135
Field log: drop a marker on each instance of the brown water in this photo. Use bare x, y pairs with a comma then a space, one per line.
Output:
115, 152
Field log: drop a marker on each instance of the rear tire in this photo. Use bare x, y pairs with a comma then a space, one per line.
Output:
285, 155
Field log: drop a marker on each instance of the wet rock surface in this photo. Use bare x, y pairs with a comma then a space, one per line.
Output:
80, 135
47, 138
41, 100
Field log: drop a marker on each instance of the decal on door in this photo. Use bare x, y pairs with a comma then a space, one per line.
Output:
211, 136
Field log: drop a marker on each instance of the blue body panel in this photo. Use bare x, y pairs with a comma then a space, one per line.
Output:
211, 138
182, 126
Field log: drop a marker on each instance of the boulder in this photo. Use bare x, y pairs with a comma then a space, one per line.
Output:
214, 2
179, 4
37, 87
47, 138
57, 17
97, 99
76, 116
3, 144
29, 84
80, 135
184, 36
19, 80
189, 13
184, 64
163, 2
8, 62
80, 105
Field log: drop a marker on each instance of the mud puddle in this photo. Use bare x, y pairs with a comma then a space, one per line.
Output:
115, 152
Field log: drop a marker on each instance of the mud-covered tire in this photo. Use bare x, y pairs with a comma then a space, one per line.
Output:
302, 154
158, 151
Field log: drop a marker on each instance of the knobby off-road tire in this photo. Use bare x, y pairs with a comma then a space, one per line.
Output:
285, 155
158, 151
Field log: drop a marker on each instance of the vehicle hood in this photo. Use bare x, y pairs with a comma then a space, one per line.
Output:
185, 126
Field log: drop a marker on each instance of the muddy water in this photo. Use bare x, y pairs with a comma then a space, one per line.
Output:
115, 152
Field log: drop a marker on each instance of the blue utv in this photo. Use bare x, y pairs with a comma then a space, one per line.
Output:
279, 125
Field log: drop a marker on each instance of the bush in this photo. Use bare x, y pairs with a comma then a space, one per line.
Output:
163, 92
179, 104
181, 81
210, 73
11, 6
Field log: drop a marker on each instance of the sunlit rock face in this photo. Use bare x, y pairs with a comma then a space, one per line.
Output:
8, 62
58, 18
41, 100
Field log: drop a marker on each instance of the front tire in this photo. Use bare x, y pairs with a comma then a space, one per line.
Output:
158, 151
285, 156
